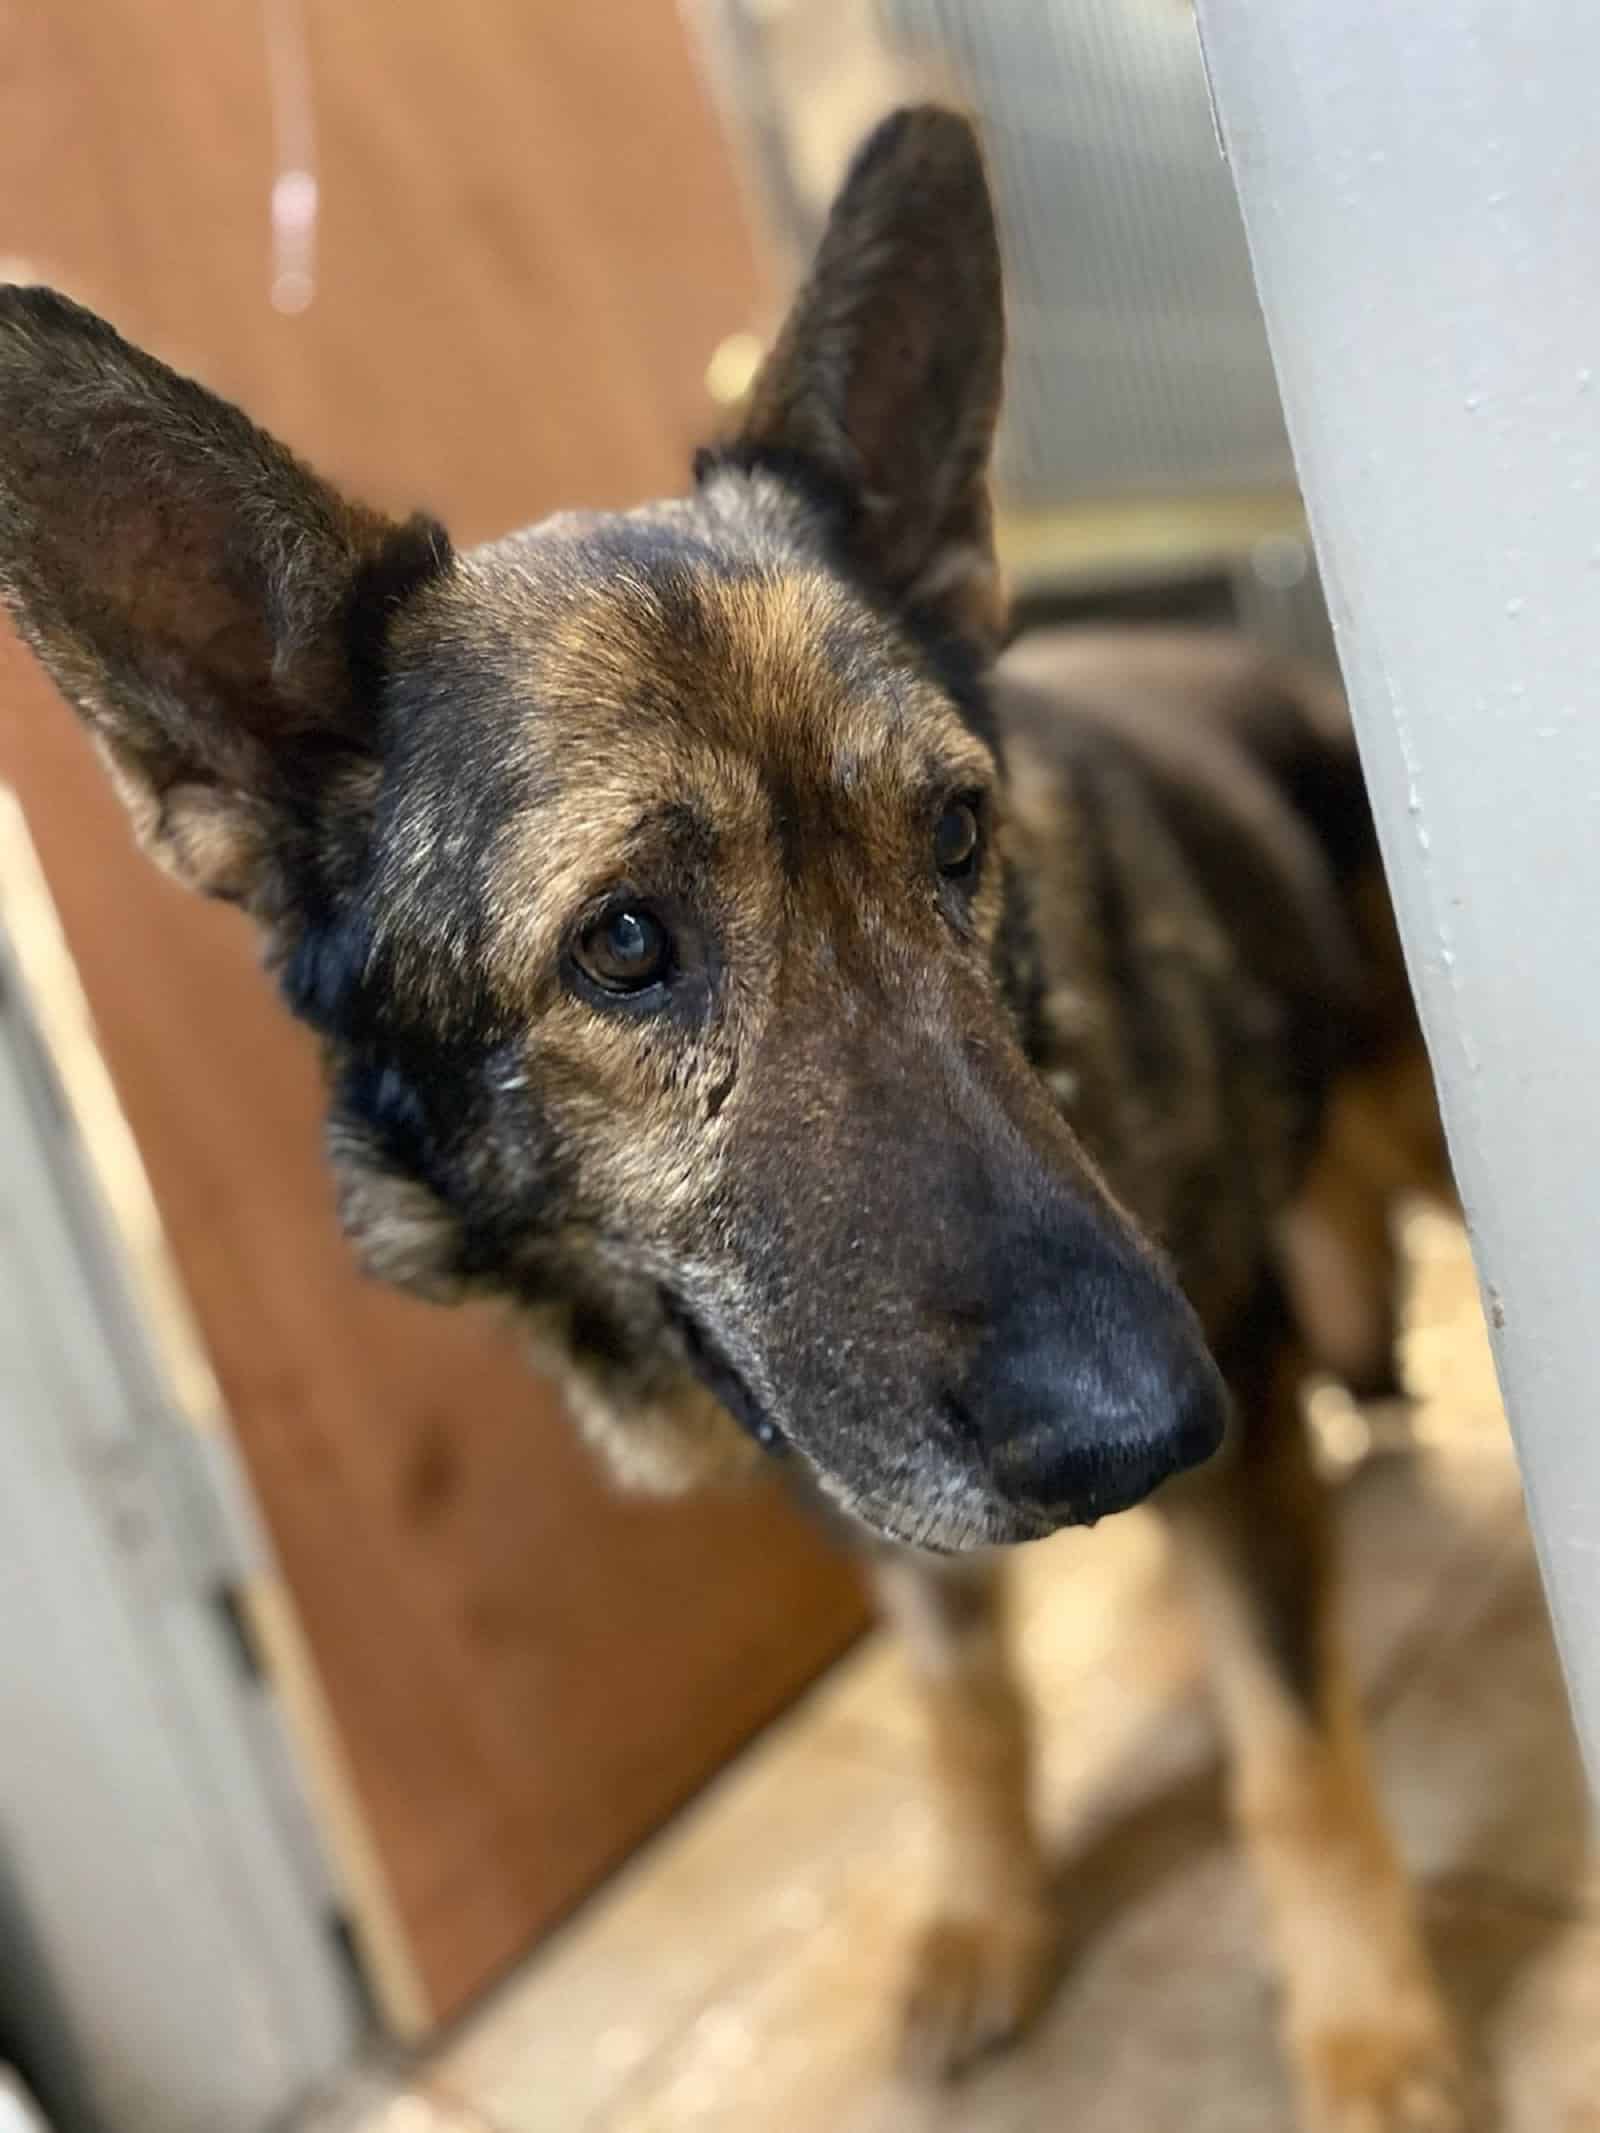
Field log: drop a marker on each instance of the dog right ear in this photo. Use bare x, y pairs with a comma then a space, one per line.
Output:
885, 380
214, 611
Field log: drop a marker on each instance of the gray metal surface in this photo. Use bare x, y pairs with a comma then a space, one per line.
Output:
1139, 365
1138, 359
1419, 186
167, 1962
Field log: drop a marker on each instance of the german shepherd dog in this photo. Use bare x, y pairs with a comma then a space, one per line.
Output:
977, 1082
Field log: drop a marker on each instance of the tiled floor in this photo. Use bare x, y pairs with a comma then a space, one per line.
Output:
742, 1972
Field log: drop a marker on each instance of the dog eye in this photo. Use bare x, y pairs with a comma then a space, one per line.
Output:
956, 838
626, 949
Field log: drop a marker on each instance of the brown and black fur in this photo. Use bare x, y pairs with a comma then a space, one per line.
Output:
982, 1191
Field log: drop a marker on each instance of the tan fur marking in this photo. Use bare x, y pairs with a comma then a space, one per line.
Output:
762, 701
663, 1447
1338, 1258
1364, 2024
988, 1960
1380, 1141
758, 685
212, 843
399, 1230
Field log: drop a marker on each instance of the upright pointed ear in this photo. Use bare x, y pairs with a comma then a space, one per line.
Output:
886, 377
214, 611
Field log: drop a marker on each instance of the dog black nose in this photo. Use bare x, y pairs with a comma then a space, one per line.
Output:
1087, 1400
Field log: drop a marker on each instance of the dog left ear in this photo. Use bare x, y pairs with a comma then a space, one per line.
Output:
886, 378
215, 612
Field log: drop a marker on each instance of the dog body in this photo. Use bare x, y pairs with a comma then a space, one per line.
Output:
968, 1082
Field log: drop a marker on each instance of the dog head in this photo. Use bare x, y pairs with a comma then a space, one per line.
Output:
649, 878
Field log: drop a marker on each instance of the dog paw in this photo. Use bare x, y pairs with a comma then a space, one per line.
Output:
975, 1984
1383, 2079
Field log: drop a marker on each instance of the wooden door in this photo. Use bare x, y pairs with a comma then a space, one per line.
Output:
528, 244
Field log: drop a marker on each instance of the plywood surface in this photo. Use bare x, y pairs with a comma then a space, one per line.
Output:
529, 245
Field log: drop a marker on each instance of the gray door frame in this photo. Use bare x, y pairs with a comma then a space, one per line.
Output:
1420, 188
170, 1951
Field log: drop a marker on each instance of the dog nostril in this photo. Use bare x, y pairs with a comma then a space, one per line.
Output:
1079, 1437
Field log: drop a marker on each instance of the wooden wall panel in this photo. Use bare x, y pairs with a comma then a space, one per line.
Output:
529, 244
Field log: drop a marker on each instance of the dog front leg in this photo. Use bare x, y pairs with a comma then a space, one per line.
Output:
1368, 2038
987, 1961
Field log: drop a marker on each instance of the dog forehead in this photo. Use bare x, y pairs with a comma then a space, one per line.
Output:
576, 695
666, 629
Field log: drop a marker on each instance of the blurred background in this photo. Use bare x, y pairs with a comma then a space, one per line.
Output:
332, 1680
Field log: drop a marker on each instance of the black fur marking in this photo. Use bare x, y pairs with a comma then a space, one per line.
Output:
1281, 1583
884, 142
1145, 1031
681, 835
324, 976
426, 1108
1321, 778
414, 555
596, 1332
1017, 963
789, 827
961, 668
391, 1109
721, 1378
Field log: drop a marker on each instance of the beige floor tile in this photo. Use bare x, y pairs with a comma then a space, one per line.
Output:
806, 1868
743, 1971
749, 1877
755, 1952
372, 2100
